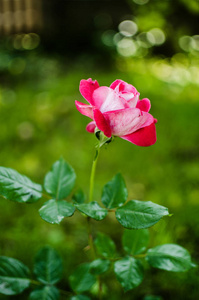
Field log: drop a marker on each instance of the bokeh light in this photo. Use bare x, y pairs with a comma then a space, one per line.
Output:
22, 41
108, 38
126, 47
117, 37
143, 40
128, 28
30, 41
130, 41
25, 130
156, 36
190, 44
195, 42
185, 43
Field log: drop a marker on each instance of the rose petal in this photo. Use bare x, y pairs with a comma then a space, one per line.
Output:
143, 137
107, 99
125, 87
115, 83
133, 101
84, 109
101, 122
126, 91
91, 127
87, 88
144, 104
126, 121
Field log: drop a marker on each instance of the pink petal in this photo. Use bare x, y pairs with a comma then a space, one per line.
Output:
107, 99
101, 122
87, 88
84, 109
125, 87
115, 83
91, 127
126, 121
126, 91
132, 102
144, 104
132, 98
143, 137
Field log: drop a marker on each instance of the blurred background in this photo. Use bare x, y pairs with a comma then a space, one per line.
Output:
46, 48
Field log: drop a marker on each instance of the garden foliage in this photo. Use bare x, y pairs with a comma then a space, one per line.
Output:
128, 267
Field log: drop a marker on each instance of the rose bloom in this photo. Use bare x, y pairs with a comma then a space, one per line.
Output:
117, 111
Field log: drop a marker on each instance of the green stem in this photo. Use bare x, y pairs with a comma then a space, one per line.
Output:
93, 174
90, 236
135, 256
46, 196
92, 177
90, 240
35, 282
140, 255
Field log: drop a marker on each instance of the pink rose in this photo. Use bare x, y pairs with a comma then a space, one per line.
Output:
117, 110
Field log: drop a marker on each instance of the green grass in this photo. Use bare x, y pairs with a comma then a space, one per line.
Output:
39, 123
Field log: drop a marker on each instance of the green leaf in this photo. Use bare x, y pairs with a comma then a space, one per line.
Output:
79, 197
135, 241
17, 187
114, 193
82, 280
99, 266
93, 210
48, 266
45, 293
60, 181
170, 257
140, 214
80, 297
129, 272
54, 211
105, 245
13, 276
